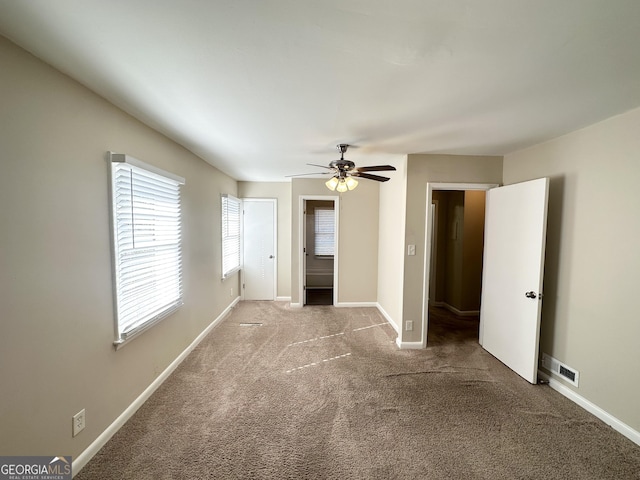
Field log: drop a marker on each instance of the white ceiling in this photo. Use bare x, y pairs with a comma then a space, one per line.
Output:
258, 88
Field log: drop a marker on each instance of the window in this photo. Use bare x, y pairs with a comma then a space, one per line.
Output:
230, 235
145, 215
324, 232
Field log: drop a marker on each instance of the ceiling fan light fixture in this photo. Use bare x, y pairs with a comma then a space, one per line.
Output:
332, 183
343, 171
342, 186
351, 183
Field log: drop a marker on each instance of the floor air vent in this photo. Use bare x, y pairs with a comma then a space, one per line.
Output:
558, 368
565, 372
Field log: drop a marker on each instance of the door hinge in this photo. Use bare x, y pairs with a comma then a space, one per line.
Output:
243, 285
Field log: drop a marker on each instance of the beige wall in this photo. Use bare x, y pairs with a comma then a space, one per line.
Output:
420, 170
592, 268
391, 240
281, 191
56, 303
437, 287
472, 249
454, 235
357, 239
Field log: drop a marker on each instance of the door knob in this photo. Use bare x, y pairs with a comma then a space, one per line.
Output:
271, 256
530, 295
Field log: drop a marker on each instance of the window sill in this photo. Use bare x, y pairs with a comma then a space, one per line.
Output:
230, 273
125, 338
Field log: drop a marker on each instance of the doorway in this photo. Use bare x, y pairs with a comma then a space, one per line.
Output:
319, 256
455, 276
453, 267
513, 268
319, 252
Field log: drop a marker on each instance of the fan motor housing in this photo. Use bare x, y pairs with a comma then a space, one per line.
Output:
342, 165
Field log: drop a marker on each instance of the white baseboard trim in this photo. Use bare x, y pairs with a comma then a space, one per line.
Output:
342, 304
388, 318
283, 299
82, 459
461, 313
355, 304
592, 408
409, 345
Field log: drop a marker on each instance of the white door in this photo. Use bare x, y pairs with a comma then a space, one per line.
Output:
514, 245
259, 268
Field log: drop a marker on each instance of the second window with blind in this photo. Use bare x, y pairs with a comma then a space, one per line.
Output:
324, 230
231, 209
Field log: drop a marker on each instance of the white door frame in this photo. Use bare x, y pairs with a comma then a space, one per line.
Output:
274, 203
427, 244
301, 245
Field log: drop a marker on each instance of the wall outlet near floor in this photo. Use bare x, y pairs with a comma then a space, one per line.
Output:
79, 422
408, 325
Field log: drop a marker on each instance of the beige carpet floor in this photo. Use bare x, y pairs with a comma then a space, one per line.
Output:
324, 393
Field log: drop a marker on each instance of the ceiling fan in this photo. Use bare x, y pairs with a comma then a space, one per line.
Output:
343, 172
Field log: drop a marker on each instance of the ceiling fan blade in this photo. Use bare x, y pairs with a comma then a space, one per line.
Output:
315, 165
377, 168
304, 174
377, 178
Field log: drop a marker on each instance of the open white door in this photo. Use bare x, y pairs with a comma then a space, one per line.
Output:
514, 246
259, 265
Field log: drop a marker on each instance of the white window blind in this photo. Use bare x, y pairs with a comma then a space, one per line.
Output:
324, 231
146, 244
231, 207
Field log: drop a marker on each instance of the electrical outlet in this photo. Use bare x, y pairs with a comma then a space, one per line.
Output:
409, 325
411, 249
79, 422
